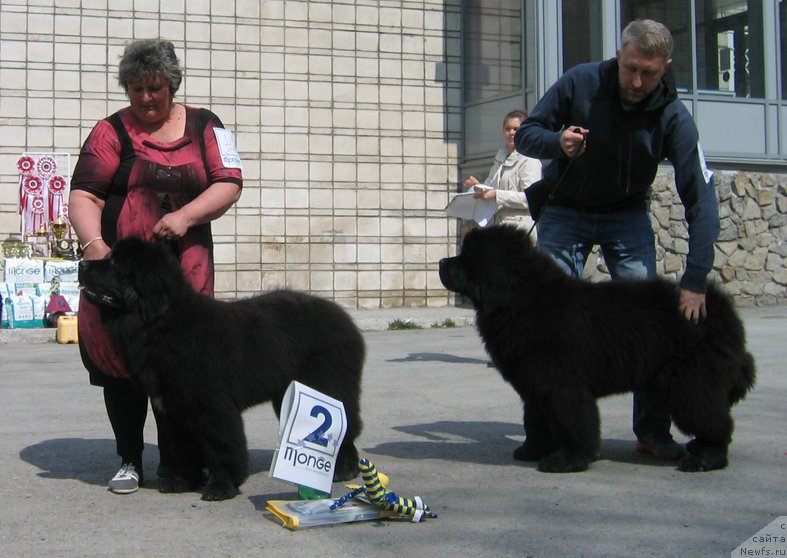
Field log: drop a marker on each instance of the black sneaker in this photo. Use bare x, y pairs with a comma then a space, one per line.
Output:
661, 447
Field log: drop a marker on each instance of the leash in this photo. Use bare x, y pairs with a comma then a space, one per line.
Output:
562, 177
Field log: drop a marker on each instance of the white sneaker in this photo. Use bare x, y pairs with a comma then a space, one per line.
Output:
126, 480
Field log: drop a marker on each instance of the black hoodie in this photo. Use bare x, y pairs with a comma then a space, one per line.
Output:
623, 151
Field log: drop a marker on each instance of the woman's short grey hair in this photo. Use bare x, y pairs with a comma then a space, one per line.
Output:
649, 36
149, 58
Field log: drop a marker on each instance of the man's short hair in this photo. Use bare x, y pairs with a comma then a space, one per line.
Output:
649, 36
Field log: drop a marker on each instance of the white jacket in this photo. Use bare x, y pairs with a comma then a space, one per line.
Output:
509, 176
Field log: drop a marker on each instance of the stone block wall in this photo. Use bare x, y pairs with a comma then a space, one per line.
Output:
751, 252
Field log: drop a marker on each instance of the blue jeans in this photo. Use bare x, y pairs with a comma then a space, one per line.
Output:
628, 245
626, 240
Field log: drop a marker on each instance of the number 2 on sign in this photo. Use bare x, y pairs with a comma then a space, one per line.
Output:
318, 435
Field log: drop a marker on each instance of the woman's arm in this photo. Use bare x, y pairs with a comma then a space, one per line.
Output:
84, 212
208, 206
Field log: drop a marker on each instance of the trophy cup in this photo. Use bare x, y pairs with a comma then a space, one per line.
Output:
62, 247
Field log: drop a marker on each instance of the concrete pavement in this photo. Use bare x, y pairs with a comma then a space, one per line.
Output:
438, 421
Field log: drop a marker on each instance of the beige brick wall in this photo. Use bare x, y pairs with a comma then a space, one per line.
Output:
346, 115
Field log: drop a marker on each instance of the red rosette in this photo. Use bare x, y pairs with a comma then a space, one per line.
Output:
38, 206
57, 185
32, 185
26, 165
46, 166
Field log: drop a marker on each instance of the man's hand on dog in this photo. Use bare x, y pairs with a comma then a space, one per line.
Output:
692, 305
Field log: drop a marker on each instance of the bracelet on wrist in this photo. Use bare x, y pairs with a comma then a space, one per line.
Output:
91, 241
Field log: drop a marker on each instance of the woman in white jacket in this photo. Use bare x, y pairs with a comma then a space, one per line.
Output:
510, 174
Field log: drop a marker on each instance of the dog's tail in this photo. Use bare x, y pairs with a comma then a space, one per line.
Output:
745, 380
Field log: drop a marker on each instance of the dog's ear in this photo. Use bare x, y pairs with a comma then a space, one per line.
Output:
153, 290
171, 245
152, 297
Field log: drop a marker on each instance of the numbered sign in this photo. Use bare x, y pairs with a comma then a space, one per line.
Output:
312, 426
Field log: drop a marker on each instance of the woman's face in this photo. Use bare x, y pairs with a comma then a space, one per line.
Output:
509, 129
150, 99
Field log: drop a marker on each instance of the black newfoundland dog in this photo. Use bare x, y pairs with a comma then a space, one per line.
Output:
203, 361
563, 342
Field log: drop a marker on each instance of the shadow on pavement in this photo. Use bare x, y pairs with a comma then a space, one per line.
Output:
437, 357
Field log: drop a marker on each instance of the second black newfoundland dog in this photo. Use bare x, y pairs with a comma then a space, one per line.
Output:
203, 361
563, 342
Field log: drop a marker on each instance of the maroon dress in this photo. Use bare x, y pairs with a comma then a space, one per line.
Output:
140, 179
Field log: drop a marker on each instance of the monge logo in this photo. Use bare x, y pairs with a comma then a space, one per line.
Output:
301, 458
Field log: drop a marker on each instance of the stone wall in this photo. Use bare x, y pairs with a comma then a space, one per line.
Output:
752, 247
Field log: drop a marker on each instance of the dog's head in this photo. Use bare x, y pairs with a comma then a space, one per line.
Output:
136, 277
490, 266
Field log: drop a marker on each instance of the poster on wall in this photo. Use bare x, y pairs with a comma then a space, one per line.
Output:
44, 181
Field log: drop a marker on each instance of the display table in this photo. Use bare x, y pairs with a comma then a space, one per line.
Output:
29, 287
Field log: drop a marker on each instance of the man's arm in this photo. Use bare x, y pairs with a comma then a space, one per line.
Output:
695, 186
539, 135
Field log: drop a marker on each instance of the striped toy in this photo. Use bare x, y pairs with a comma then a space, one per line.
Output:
383, 498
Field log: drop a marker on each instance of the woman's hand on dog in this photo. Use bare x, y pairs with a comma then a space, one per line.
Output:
171, 225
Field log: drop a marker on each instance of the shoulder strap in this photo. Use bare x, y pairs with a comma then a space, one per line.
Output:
119, 187
203, 117
120, 180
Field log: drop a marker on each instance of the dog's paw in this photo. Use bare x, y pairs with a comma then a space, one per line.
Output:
690, 464
561, 462
174, 485
345, 473
694, 464
217, 492
528, 452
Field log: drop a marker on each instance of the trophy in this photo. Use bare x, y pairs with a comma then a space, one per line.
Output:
62, 247
39, 242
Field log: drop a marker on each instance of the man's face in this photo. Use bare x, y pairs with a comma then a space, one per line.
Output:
639, 74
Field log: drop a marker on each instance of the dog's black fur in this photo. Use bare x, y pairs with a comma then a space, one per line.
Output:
563, 342
203, 361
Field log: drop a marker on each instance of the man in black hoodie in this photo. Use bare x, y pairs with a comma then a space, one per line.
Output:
607, 126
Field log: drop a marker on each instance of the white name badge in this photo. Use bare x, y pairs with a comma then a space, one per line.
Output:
312, 426
229, 153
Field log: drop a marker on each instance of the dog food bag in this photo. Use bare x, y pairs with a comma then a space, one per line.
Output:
61, 270
70, 291
23, 270
21, 313
27, 289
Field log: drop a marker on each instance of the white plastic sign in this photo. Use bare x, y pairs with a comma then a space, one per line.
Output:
311, 429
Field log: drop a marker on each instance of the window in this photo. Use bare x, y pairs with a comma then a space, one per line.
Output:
492, 48
783, 45
730, 47
581, 32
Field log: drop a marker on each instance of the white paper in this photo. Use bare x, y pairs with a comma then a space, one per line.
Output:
229, 153
465, 206
312, 427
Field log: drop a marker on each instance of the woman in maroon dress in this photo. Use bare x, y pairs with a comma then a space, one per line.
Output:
155, 169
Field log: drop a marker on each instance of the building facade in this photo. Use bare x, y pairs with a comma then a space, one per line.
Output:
730, 64
356, 120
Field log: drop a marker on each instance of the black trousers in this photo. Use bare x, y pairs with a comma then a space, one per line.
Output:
127, 409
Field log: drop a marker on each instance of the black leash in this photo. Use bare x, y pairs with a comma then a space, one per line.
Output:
552, 192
